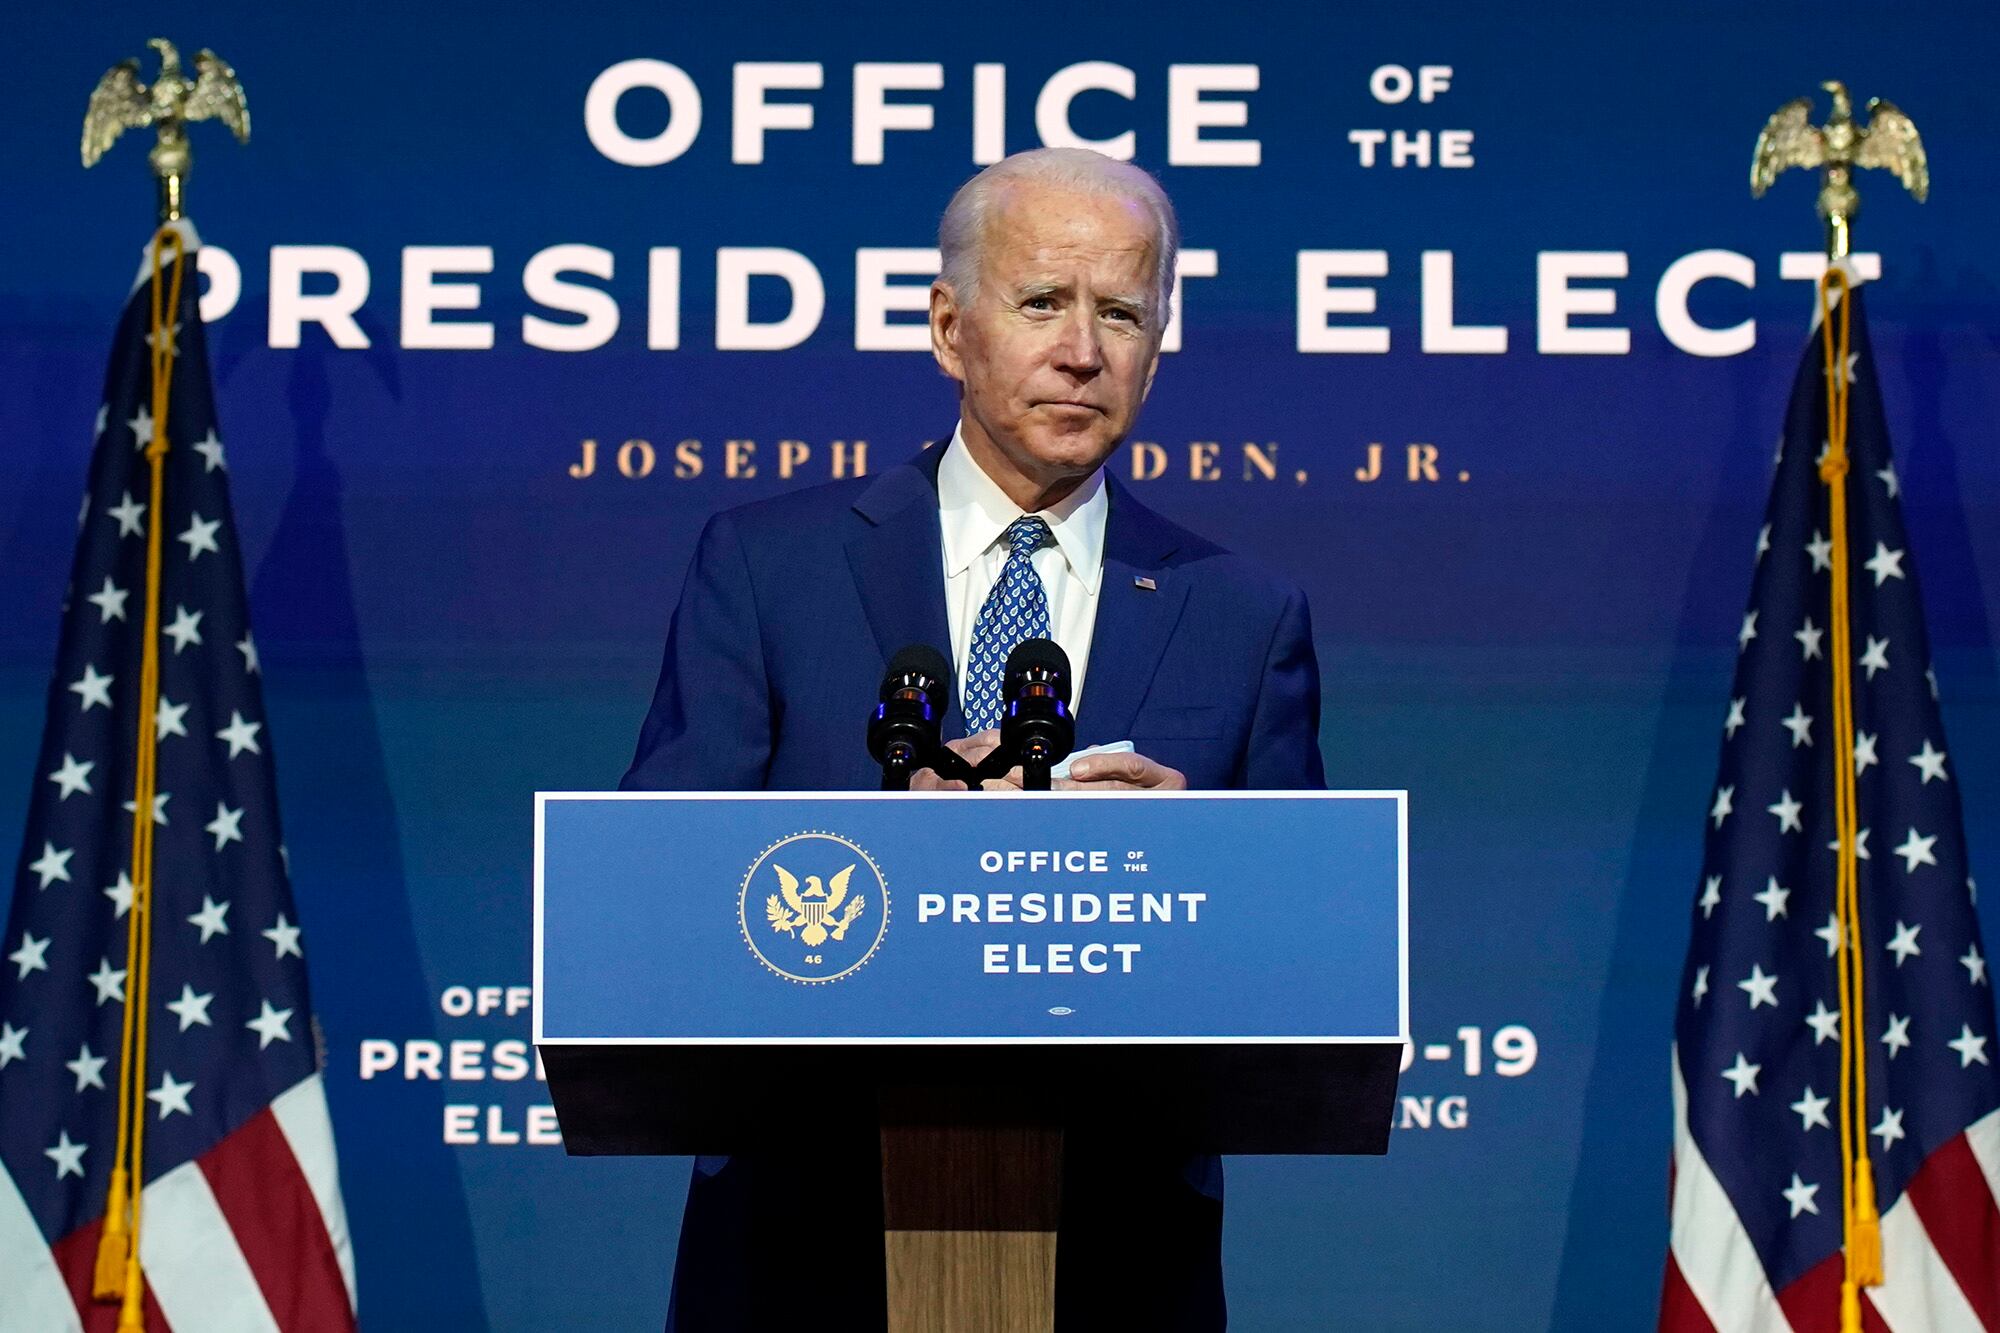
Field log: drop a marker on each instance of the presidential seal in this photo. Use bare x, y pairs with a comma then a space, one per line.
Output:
813, 908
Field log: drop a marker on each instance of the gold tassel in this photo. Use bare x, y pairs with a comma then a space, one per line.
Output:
132, 1314
114, 1245
1864, 1246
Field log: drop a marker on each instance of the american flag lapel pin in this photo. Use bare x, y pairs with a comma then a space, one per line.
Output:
1141, 581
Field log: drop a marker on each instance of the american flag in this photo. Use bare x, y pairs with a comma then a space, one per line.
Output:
1757, 1227
242, 1225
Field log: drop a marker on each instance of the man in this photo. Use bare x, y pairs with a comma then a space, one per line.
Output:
1058, 270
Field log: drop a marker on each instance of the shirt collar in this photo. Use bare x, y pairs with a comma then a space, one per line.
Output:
975, 512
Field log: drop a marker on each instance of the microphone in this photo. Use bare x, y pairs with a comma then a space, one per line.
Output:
903, 731
1036, 726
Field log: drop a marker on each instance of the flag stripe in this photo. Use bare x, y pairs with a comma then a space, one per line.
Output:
264, 1197
1918, 1294
192, 1259
302, 1114
1983, 1137
37, 1296
1958, 1214
1813, 1301
76, 1258
1680, 1312
1709, 1244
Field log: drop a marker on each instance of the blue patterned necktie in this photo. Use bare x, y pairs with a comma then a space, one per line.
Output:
1015, 610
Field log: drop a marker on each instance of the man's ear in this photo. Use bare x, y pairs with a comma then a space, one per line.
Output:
946, 326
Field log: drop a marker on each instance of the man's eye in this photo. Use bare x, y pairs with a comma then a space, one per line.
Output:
1038, 303
1119, 312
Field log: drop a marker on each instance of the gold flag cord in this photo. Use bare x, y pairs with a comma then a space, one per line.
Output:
117, 1276
1861, 1223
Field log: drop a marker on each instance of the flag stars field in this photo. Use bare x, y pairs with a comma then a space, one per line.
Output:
1904, 945
1874, 656
200, 536
1885, 564
120, 895
210, 918
13, 1044
185, 629
1761, 989
1897, 1035
88, 1068
1800, 1196
171, 1096
1788, 810
109, 980
67, 1156
1743, 1075
1824, 1022
284, 938
191, 1008
73, 777
1930, 762
128, 512
109, 601
1917, 851
1969, 1047
32, 956
271, 1025
52, 866
241, 734
169, 719
1773, 897
92, 689
1809, 637
1811, 1110
225, 826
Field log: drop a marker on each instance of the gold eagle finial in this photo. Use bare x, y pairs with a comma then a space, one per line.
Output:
1790, 139
120, 102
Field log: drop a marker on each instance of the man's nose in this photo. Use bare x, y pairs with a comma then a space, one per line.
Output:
1078, 351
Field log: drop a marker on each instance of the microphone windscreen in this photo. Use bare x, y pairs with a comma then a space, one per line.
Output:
1043, 656
919, 659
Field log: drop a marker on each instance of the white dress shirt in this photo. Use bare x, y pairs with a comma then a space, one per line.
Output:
974, 513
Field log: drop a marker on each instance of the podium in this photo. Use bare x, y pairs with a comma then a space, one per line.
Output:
1228, 969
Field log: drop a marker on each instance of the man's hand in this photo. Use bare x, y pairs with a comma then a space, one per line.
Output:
1120, 772
971, 748
1106, 772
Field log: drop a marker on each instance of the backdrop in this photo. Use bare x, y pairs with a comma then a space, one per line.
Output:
509, 316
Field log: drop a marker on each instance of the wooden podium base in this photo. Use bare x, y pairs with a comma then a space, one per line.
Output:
971, 1281
969, 1215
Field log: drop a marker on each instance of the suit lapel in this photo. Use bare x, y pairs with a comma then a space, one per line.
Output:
898, 565
1133, 621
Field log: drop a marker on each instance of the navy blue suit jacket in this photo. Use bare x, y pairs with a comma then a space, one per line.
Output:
792, 609
794, 606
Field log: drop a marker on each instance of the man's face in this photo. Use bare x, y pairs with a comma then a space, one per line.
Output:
1057, 349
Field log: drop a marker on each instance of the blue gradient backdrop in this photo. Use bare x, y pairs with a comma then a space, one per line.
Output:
1539, 653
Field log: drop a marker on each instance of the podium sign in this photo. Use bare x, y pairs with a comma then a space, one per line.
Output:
734, 919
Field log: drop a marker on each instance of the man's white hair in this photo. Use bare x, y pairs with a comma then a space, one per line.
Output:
962, 233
